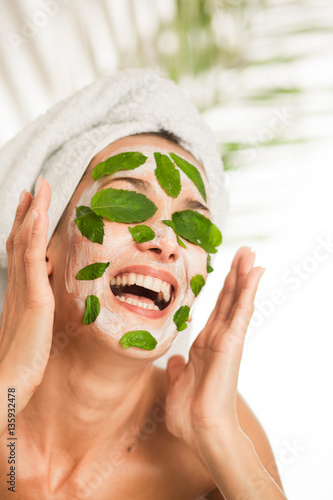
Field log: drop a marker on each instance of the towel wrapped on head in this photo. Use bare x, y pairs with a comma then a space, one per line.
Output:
60, 144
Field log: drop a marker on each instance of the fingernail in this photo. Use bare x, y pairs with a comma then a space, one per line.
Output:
22, 195
38, 185
35, 214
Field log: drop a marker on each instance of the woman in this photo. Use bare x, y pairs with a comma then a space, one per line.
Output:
94, 417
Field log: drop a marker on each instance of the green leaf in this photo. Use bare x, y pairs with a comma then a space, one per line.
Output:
138, 338
169, 223
192, 173
210, 269
142, 233
93, 271
167, 175
92, 309
90, 224
197, 229
180, 318
119, 205
197, 282
124, 161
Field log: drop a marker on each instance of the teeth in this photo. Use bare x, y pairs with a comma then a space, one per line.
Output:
161, 287
135, 302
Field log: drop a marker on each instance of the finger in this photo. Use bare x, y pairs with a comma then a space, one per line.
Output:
245, 304
24, 233
21, 210
228, 293
34, 257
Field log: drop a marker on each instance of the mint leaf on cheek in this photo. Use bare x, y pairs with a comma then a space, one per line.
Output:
138, 338
93, 271
142, 233
197, 282
124, 161
209, 267
169, 223
192, 173
119, 205
180, 318
197, 229
167, 175
90, 225
92, 309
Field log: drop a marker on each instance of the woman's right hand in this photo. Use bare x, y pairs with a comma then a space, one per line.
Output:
28, 314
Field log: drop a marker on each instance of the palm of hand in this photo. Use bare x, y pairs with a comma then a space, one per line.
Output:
202, 393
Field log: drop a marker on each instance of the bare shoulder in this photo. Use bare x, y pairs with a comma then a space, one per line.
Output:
256, 433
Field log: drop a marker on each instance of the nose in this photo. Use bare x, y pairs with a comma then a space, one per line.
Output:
163, 247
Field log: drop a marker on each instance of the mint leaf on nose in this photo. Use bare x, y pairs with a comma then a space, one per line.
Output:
197, 229
92, 309
90, 224
180, 318
197, 282
120, 205
167, 175
92, 271
192, 173
142, 233
124, 161
138, 338
210, 269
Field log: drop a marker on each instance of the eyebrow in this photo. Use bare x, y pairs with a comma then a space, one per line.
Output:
146, 186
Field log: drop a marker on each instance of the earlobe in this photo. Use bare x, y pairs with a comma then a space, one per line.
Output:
48, 265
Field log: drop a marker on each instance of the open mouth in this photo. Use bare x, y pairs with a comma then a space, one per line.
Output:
142, 291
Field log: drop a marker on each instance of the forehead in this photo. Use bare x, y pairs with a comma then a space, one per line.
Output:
147, 143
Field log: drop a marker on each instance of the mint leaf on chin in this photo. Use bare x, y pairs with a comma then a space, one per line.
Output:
197, 282
138, 338
124, 161
120, 205
92, 309
167, 175
90, 225
142, 233
180, 318
92, 271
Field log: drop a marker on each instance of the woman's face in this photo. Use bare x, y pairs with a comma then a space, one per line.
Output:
161, 266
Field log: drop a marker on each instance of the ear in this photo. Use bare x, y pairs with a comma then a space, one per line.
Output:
49, 265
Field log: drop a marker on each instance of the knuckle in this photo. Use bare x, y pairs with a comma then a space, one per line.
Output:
30, 257
9, 243
18, 240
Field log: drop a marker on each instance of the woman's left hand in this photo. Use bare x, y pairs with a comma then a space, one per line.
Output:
201, 396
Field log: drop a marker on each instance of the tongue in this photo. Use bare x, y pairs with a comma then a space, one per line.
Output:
145, 300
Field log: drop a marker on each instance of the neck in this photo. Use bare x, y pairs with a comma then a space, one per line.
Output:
90, 399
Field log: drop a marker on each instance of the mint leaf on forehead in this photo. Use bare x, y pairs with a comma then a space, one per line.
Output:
124, 161
192, 173
180, 318
142, 233
197, 282
92, 309
197, 229
92, 271
119, 205
90, 224
138, 338
167, 175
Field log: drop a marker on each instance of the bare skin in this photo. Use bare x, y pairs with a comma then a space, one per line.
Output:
97, 421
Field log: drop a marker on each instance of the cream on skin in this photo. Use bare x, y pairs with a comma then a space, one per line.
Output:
161, 255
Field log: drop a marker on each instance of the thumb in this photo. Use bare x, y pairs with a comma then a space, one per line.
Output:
174, 368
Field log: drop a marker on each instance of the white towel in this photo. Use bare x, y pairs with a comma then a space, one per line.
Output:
60, 143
